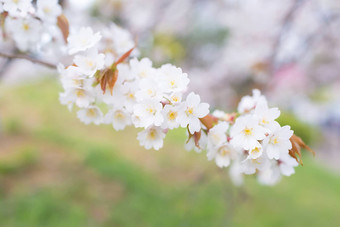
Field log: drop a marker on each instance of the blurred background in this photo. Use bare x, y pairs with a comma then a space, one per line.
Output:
55, 171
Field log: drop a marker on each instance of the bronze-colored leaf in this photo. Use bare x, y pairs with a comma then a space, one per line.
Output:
64, 26
108, 79
209, 121
124, 56
297, 144
196, 136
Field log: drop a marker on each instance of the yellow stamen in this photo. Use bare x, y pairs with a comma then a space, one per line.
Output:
248, 131
26, 27
91, 113
152, 134
224, 151
119, 115
80, 93
256, 150
172, 115
189, 111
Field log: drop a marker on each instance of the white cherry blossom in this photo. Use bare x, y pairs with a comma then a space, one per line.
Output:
248, 103
173, 79
246, 132
149, 112
82, 40
266, 115
48, 10
151, 137
191, 111
15, 7
170, 114
278, 143
142, 69
91, 114
90, 63
119, 118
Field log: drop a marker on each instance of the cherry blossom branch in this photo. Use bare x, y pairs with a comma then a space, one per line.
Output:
26, 57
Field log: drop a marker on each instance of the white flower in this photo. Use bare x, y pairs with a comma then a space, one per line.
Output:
25, 31
170, 114
80, 96
129, 90
149, 89
202, 143
48, 10
246, 132
149, 113
248, 103
191, 111
249, 166
278, 142
71, 77
266, 115
122, 40
224, 155
175, 97
287, 164
142, 69
151, 137
65, 100
90, 63
114, 99
14, 7
119, 118
269, 176
217, 135
124, 71
255, 152
173, 79
92, 114
82, 40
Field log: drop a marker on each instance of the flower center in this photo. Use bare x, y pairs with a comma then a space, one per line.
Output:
152, 135
189, 111
150, 110
119, 115
131, 95
175, 99
80, 93
224, 151
91, 113
47, 10
172, 115
26, 27
256, 150
274, 140
264, 121
248, 131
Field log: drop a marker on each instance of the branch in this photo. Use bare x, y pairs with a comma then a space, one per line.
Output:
26, 57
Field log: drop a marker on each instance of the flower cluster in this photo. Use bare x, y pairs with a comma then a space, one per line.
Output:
251, 141
142, 95
31, 27
108, 84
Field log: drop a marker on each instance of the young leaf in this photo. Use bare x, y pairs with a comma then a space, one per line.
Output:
64, 26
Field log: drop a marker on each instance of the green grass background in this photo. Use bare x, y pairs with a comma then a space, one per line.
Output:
55, 171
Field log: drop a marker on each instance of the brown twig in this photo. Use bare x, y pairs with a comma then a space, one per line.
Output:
26, 57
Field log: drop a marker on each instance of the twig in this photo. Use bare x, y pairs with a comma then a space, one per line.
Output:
26, 57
